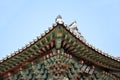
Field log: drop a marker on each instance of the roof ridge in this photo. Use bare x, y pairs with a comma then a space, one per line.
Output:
72, 28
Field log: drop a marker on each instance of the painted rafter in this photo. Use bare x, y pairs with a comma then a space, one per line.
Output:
71, 41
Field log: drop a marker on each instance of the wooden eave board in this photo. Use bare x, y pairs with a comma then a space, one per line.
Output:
95, 58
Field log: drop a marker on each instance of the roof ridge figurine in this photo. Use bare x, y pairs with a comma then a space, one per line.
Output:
59, 19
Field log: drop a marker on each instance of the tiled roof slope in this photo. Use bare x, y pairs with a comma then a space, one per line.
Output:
72, 30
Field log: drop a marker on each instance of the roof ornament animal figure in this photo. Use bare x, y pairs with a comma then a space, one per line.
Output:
74, 29
59, 20
73, 26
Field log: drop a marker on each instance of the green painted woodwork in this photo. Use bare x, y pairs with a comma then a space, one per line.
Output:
57, 67
56, 56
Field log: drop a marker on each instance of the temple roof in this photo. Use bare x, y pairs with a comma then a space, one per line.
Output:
73, 41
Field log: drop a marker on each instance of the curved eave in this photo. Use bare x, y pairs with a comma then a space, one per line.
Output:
32, 50
90, 53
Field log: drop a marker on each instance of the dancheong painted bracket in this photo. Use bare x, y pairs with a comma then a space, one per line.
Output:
60, 53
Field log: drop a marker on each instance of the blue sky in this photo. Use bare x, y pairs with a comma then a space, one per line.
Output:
22, 20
